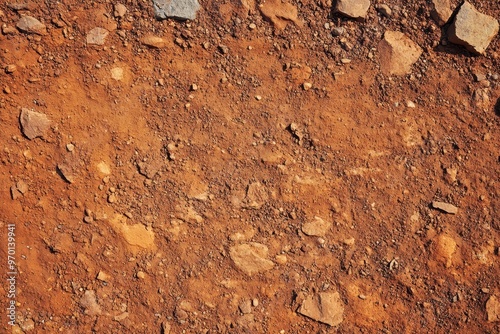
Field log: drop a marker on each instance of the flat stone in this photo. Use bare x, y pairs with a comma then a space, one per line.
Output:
473, 29
256, 196
67, 172
444, 248
33, 124
89, 303
325, 307
117, 73
178, 9
137, 236
493, 309
30, 25
441, 11
397, 53
97, 36
154, 41
316, 227
446, 207
251, 258
356, 9
280, 13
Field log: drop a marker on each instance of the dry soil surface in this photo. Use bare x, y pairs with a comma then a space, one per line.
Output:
237, 174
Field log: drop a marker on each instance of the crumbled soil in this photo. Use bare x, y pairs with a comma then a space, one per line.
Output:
159, 160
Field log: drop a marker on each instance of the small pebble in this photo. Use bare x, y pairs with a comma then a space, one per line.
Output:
384, 10
410, 104
112, 198
338, 31
141, 275
252, 26
70, 147
307, 85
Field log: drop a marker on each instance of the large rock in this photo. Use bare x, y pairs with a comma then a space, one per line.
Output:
31, 25
251, 258
280, 13
473, 29
356, 9
179, 9
325, 307
493, 309
33, 124
441, 12
397, 53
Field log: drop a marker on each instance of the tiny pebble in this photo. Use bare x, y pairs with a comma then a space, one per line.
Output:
141, 275
70, 147
252, 26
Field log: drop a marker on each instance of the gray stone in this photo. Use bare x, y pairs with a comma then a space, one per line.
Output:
325, 307
97, 36
397, 53
179, 9
251, 258
356, 9
33, 124
473, 29
31, 25
441, 11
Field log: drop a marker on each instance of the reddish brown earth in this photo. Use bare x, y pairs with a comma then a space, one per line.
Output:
247, 150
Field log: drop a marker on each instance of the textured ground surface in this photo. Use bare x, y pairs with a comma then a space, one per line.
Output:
159, 164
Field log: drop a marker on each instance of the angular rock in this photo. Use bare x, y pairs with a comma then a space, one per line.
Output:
97, 36
154, 41
356, 9
493, 309
441, 11
280, 13
137, 236
178, 9
30, 25
251, 258
316, 227
67, 172
397, 53
446, 207
33, 124
325, 307
473, 29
